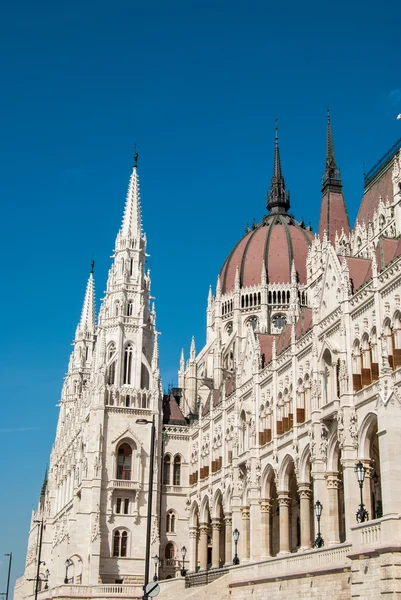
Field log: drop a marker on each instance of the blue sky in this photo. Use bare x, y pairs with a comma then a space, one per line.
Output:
196, 85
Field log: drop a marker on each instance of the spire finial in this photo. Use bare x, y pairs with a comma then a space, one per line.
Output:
92, 267
132, 219
277, 199
88, 316
331, 176
44, 485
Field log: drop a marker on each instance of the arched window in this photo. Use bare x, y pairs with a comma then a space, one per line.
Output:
169, 551
144, 377
328, 395
120, 543
177, 470
130, 307
244, 432
166, 469
124, 460
357, 364
127, 364
170, 522
111, 369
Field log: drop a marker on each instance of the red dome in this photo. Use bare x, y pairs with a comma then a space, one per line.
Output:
277, 240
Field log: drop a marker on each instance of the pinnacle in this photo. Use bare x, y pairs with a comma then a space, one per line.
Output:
88, 314
331, 174
132, 220
277, 199
192, 349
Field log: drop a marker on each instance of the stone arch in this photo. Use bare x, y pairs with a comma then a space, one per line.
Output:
333, 450
304, 465
217, 505
283, 477
227, 499
194, 515
267, 480
204, 511
366, 430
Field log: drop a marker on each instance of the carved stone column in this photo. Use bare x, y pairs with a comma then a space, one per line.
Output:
246, 531
305, 495
284, 506
228, 522
193, 548
265, 509
216, 525
332, 535
367, 486
203, 536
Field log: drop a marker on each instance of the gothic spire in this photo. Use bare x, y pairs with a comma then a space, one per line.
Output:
44, 485
88, 315
333, 212
132, 220
278, 201
331, 175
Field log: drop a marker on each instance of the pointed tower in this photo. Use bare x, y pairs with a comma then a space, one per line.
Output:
333, 212
278, 201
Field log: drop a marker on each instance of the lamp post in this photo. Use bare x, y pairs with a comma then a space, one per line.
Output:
183, 554
361, 514
319, 541
68, 563
236, 538
150, 493
47, 573
10, 558
156, 561
41, 525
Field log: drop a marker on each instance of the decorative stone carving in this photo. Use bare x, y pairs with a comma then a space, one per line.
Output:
96, 525
312, 444
353, 427
324, 434
340, 427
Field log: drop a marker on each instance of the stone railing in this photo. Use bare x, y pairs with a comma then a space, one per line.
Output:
309, 560
92, 591
204, 577
125, 484
370, 534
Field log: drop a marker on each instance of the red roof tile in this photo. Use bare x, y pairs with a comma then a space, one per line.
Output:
333, 215
382, 187
360, 271
171, 411
266, 343
277, 241
387, 250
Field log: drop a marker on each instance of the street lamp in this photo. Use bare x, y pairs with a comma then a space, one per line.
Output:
149, 521
68, 563
156, 560
10, 558
319, 541
47, 573
183, 554
236, 538
361, 514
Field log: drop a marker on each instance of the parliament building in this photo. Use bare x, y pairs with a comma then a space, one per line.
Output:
277, 468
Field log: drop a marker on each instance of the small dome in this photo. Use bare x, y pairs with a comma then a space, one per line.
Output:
277, 240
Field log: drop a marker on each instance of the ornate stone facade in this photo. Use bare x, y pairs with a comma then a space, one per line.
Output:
298, 380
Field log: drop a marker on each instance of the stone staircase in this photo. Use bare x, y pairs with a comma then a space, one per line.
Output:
217, 590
